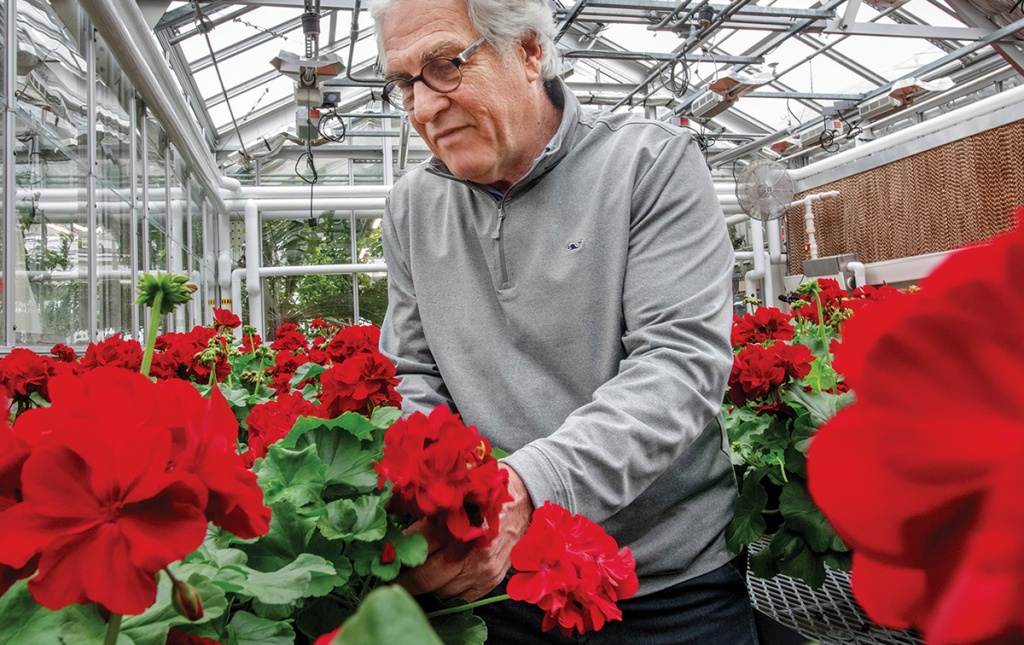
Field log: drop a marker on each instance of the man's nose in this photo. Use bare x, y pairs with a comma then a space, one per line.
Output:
426, 103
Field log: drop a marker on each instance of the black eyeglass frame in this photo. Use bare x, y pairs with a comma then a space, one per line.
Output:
404, 85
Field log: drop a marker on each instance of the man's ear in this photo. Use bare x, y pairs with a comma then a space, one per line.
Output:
532, 53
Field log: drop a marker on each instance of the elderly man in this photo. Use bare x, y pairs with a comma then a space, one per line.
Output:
561, 279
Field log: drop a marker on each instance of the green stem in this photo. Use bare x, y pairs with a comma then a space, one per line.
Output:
467, 607
824, 336
154, 323
113, 628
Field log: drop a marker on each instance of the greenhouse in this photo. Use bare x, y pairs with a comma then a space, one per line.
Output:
535, 321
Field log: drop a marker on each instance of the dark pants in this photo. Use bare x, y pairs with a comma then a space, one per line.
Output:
712, 609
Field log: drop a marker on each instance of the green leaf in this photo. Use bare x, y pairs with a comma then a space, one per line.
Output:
306, 371
822, 405
151, 627
362, 519
385, 416
796, 462
25, 622
763, 564
462, 628
821, 377
795, 558
320, 616
294, 475
248, 629
354, 423
388, 615
410, 551
804, 517
289, 583
349, 461
237, 397
747, 523
288, 536
840, 561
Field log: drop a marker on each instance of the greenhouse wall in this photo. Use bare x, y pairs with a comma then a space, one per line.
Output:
982, 180
94, 192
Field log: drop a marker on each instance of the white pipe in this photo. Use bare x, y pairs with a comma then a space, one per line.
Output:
224, 253
236, 292
736, 219
1009, 98
323, 269
78, 194
774, 241
253, 259
860, 273
295, 192
755, 275
299, 204
808, 200
39, 275
209, 256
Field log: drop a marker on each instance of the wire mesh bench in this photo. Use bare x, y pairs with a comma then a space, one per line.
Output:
828, 615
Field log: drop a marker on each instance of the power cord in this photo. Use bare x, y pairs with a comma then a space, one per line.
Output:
313, 176
335, 135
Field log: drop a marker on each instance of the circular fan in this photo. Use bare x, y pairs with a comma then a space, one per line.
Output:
764, 190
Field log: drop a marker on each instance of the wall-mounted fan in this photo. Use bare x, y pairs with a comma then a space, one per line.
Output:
764, 190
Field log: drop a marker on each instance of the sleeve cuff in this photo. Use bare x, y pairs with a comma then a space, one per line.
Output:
540, 477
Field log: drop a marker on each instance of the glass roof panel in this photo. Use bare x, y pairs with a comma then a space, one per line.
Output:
814, 67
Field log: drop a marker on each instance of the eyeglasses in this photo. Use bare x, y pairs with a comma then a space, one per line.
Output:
440, 74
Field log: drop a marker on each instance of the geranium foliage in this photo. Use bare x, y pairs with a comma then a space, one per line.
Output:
782, 387
246, 493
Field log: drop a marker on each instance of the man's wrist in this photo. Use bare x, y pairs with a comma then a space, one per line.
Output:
517, 513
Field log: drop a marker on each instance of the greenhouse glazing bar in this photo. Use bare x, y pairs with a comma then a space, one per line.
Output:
10, 186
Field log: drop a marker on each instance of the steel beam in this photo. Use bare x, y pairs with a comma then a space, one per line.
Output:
971, 15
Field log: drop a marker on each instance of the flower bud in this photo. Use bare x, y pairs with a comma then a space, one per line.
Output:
388, 556
185, 600
176, 289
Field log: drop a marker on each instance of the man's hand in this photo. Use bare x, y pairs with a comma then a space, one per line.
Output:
483, 569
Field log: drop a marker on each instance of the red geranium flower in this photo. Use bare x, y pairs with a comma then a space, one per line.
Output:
443, 470
13, 453
285, 364
755, 374
225, 318
270, 422
795, 360
574, 571
359, 384
350, 341
289, 338
100, 508
23, 372
250, 342
113, 352
920, 475
767, 323
64, 353
205, 434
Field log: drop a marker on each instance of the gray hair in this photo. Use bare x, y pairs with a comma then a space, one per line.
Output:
504, 23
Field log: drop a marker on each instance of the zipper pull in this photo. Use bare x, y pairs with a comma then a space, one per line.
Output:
496, 233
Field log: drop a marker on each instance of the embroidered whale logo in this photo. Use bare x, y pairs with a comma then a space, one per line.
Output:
572, 246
